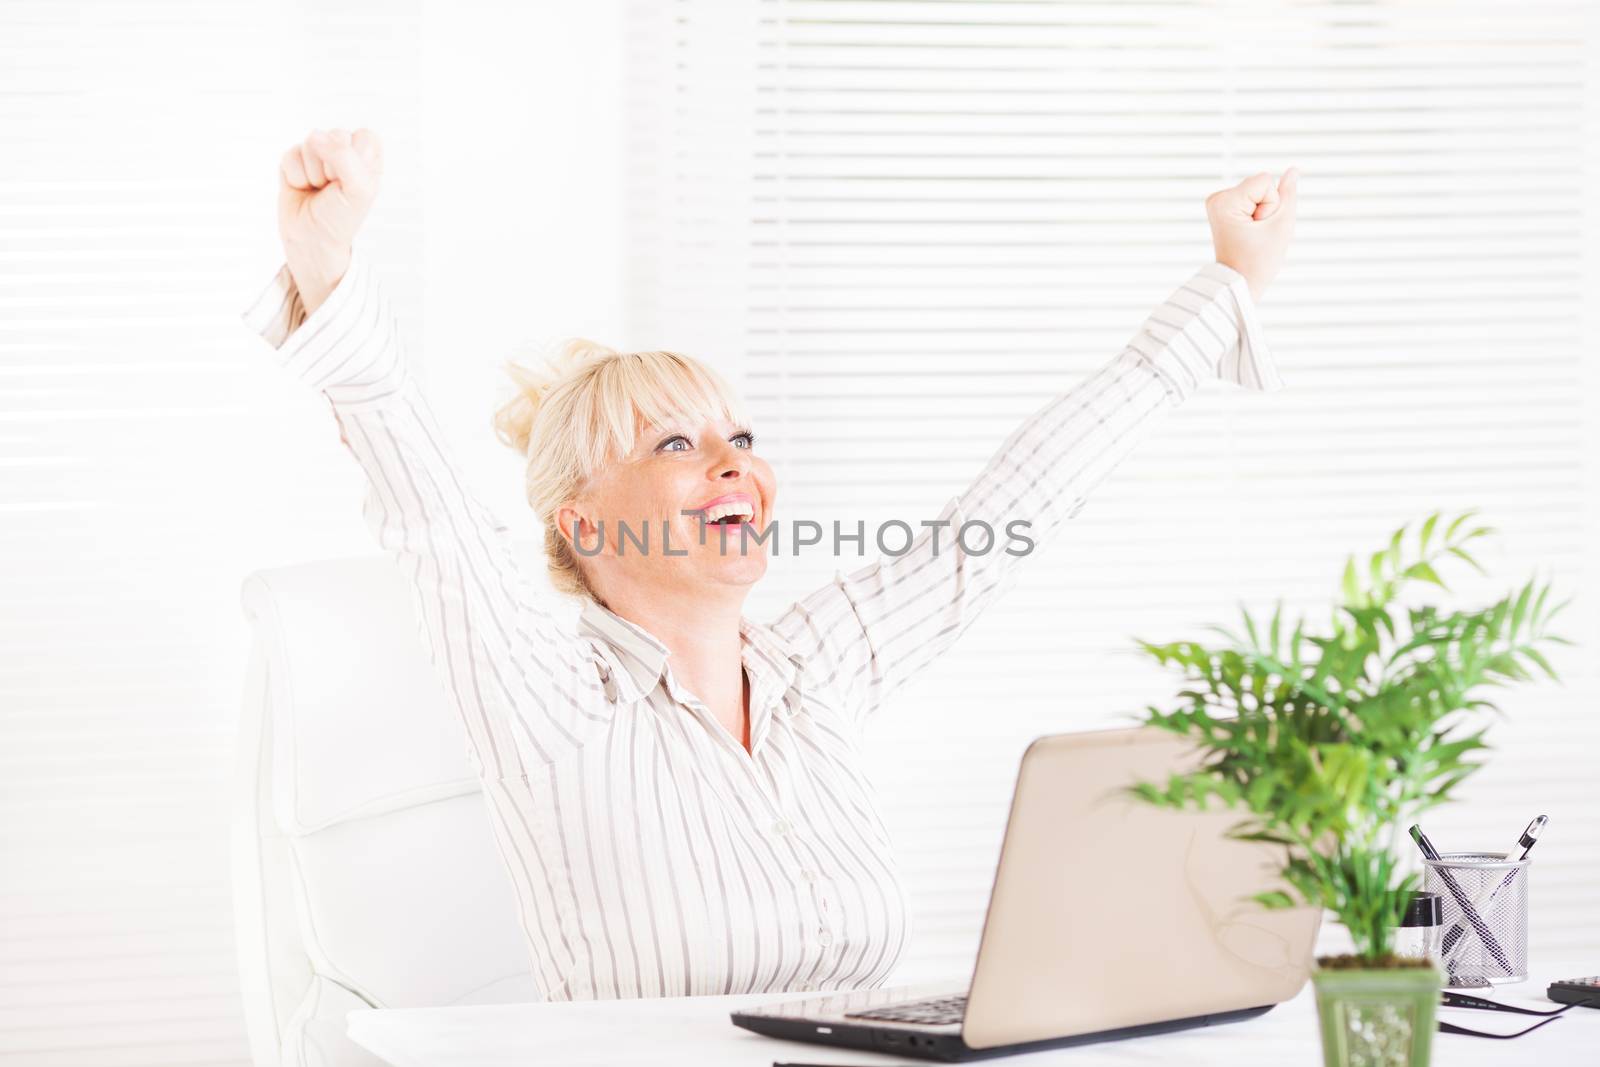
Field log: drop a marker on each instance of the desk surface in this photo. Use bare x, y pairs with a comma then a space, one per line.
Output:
696, 1030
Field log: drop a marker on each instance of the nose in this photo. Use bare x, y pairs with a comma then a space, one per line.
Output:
732, 462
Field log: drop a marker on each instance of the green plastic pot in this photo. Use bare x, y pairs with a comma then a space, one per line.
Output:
1377, 1018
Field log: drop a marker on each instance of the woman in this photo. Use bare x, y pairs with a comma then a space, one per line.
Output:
676, 791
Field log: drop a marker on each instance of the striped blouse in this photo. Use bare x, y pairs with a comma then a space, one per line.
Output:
651, 854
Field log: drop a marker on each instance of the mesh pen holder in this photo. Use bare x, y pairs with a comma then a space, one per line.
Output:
1485, 900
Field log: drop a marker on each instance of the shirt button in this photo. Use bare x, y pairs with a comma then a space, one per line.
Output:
781, 827
807, 987
824, 938
808, 875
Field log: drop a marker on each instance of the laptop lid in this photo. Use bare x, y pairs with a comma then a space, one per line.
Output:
1108, 912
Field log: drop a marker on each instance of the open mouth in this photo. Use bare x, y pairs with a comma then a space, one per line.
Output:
728, 512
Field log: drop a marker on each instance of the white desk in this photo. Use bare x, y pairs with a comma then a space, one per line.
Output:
696, 1030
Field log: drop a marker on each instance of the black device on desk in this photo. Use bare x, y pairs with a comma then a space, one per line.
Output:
1109, 918
1576, 991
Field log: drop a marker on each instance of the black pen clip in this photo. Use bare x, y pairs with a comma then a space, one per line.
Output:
1531, 835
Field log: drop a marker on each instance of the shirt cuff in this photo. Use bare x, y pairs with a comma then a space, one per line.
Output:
1247, 362
1207, 328
347, 348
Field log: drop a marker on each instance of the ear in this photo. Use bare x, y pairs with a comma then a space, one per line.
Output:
582, 530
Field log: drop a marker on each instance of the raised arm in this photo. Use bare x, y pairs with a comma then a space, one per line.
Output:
878, 626
527, 686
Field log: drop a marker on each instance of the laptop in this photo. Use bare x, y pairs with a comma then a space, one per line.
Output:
1109, 918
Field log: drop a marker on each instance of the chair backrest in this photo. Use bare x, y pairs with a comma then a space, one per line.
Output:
365, 869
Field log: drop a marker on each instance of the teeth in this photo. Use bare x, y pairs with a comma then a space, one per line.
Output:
722, 511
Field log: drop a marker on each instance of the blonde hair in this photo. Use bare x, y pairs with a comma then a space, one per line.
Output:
576, 410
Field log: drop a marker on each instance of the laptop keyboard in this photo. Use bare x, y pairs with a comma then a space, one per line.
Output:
935, 1011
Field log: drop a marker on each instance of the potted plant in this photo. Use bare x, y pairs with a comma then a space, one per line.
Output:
1331, 744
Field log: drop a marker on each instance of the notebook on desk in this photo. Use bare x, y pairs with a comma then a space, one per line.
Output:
1109, 918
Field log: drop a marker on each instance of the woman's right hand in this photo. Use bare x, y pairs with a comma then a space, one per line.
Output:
326, 186
1251, 225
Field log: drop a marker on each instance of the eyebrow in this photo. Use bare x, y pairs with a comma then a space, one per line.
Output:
681, 426
652, 436
664, 427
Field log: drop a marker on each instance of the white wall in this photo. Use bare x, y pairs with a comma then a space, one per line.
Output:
523, 237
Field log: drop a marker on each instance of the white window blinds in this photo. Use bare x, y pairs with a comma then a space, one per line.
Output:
152, 454
907, 224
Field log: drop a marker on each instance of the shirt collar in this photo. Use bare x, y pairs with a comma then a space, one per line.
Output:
773, 666
642, 655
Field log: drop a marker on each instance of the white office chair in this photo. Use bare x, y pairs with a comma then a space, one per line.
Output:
365, 871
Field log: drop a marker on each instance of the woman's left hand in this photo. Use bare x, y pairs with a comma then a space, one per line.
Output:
1251, 225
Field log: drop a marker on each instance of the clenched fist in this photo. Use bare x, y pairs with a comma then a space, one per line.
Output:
1251, 224
326, 186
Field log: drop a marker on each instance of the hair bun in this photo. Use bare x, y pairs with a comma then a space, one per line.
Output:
515, 419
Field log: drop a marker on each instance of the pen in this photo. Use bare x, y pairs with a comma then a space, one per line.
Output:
1468, 912
1428, 851
1529, 838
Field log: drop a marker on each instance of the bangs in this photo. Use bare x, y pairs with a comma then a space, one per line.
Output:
659, 389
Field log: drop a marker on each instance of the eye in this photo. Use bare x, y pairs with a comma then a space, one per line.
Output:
666, 446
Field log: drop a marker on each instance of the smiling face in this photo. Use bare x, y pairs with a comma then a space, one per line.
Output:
678, 464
